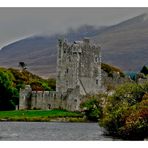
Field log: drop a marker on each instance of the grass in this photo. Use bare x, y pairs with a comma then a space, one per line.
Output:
40, 115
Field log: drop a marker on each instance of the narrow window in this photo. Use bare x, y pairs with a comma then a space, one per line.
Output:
64, 50
66, 70
60, 53
96, 59
97, 82
67, 83
75, 100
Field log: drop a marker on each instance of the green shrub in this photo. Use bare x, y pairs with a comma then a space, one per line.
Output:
136, 124
92, 107
8, 93
125, 114
52, 83
25, 77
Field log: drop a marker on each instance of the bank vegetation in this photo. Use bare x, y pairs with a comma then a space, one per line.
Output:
123, 114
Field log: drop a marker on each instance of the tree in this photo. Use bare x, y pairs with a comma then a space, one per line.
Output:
8, 94
23, 65
92, 107
126, 111
144, 70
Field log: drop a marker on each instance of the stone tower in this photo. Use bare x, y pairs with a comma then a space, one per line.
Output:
25, 98
78, 70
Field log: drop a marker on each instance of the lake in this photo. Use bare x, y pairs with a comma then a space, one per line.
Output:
51, 131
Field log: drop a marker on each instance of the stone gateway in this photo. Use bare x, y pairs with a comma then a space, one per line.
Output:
78, 74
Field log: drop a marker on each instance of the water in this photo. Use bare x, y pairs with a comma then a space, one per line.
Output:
51, 131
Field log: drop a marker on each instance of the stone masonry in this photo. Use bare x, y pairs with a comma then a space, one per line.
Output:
78, 74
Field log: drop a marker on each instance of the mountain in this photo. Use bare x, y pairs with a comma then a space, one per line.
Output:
124, 45
39, 52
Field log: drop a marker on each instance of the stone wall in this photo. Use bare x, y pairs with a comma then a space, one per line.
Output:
37, 99
43, 100
49, 99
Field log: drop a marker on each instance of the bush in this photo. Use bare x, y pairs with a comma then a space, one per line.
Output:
37, 83
8, 93
144, 70
136, 124
125, 114
52, 83
40, 86
92, 107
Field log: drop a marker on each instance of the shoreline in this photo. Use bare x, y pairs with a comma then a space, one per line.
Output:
56, 119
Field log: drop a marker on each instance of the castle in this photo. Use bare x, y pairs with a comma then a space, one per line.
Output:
78, 74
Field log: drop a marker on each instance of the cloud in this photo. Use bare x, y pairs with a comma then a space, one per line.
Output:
17, 23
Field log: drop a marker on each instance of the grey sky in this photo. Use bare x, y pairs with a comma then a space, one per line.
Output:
18, 23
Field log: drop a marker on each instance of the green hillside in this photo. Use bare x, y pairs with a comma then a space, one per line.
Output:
11, 80
109, 69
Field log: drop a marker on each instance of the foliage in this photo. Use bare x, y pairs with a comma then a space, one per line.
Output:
24, 76
36, 82
111, 69
23, 65
52, 83
144, 70
92, 107
40, 86
8, 93
136, 123
110, 86
11, 80
125, 114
